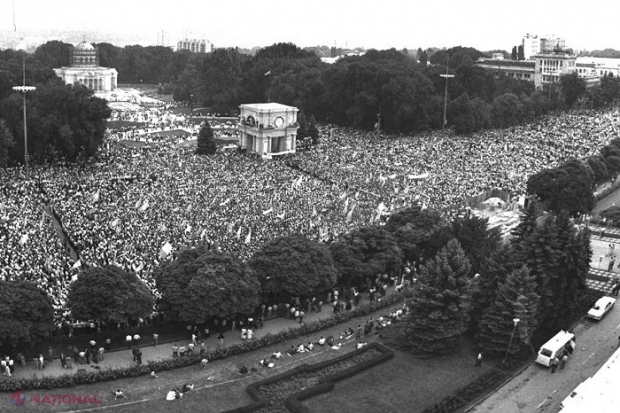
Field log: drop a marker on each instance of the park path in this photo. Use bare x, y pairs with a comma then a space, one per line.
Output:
124, 358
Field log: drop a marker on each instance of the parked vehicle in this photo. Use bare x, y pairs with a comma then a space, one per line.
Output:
602, 306
555, 347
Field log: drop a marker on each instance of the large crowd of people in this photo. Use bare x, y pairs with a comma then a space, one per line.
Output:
136, 207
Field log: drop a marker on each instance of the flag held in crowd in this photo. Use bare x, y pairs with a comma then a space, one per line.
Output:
23, 239
165, 251
350, 214
421, 176
97, 195
145, 205
299, 181
248, 239
281, 216
77, 265
267, 212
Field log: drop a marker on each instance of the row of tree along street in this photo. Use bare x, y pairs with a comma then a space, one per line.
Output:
463, 278
388, 88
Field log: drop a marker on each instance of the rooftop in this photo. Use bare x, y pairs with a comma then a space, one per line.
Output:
84, 46
267, 107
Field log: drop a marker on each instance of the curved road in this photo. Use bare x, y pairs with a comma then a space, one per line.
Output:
536, 389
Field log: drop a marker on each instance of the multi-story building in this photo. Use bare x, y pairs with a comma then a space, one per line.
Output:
550, 66
195, 45
551, 44
531, 45
518, 69
546, 68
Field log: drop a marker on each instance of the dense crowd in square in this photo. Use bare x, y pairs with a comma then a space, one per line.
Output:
123, 208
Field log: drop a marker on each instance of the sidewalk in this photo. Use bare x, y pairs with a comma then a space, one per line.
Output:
124, 358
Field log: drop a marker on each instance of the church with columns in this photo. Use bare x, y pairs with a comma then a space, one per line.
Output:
84, 69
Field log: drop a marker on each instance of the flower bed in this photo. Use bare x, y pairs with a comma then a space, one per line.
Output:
286, 391
70, 380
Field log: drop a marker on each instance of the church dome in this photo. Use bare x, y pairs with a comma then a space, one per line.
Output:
84, 46
84, 55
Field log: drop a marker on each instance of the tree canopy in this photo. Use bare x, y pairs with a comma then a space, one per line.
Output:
64, 121
294, 266
202, 284
420, 233
111, 294
440, 303
568, 187
516, 299
26, 313
365, 252
205, 144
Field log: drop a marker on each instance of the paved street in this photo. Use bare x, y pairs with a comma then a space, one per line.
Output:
536, 389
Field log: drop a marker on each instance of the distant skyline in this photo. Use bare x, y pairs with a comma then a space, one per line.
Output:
483, 24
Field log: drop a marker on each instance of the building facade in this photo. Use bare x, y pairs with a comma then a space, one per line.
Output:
551, 44
531, 46
517, 69
84, 69
546, 68
268, 129
195, 45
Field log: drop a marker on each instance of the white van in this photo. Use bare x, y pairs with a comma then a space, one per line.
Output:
554, 347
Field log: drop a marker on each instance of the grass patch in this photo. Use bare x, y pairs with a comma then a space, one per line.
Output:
180, 110
408, 383
119, 124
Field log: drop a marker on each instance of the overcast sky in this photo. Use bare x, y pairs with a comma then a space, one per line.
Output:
484, 24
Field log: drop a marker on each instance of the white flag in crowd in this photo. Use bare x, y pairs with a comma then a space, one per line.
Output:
165, 251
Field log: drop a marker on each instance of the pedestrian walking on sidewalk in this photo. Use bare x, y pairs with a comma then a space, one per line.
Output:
479, 360
563, 361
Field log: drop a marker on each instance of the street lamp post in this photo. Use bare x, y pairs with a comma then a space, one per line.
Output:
445, 99
25, 89
515, 322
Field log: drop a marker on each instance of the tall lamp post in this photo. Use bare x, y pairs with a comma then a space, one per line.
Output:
445, 99
25, 89
515, 322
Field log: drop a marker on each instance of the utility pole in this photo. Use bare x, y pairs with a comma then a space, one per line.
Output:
445, 99
25, 89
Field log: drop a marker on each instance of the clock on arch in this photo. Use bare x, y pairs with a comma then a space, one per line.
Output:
278, 122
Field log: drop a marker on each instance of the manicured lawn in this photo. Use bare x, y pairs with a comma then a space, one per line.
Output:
118, 124
402, 384
180, 110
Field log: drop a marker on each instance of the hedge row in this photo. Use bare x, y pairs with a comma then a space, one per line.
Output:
110, 374
326, 384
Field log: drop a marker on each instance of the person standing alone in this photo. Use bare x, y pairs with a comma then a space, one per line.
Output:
479, 360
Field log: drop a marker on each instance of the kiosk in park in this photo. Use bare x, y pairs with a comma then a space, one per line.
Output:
268, 129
